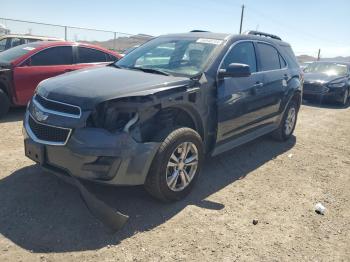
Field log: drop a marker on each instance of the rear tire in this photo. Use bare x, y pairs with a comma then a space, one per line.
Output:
288, 123
4, 103
170, 178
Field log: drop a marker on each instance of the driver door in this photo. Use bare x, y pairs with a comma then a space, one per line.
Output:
239, 101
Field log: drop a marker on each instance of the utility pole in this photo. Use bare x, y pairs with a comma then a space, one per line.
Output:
242, 15
319, 55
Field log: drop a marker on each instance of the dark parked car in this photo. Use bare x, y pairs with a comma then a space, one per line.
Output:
327, 81
151, 117
23, 67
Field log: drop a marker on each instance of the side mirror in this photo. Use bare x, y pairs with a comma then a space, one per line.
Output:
235, 70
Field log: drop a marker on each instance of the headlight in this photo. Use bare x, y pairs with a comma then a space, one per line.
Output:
112, 116
339, 84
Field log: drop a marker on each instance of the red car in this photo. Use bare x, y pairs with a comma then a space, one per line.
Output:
23, 67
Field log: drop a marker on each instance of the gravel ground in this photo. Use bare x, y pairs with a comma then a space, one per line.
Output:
43, 219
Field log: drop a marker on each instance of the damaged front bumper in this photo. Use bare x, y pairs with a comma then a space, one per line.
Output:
93, 154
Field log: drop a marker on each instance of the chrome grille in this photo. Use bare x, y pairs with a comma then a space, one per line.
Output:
55, 107
47, 134
315, 88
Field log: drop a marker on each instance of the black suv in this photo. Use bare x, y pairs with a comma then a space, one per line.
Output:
151, 117
327, 81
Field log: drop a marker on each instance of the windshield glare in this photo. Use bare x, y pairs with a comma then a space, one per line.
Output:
12, 54
327, 68
183, 57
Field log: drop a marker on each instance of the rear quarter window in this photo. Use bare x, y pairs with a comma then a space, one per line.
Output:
111, 58
89, 55
289, 55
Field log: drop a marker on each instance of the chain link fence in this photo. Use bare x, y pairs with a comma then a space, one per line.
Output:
116, 41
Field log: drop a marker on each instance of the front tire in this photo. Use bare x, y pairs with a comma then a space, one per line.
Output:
288, 123
176, 165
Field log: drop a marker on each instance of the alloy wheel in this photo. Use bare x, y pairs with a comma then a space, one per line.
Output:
290, 121
182, 166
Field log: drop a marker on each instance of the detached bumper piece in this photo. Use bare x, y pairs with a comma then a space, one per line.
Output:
92, 154
112, 219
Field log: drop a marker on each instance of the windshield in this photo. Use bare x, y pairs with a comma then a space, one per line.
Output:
327, 68
12, 54
182, 57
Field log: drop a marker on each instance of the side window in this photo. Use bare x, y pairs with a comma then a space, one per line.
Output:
243, 53
269, 57
3, 44
88, 55
15, 42
61, 55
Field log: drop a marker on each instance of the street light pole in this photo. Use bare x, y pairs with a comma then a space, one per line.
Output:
319, 55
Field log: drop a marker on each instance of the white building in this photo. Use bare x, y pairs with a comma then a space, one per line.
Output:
4, 30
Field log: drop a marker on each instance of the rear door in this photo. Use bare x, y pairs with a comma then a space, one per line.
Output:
275, 78
239, 98
47, 63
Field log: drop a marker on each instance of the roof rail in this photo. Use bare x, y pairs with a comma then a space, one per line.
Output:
199, 31
262, 34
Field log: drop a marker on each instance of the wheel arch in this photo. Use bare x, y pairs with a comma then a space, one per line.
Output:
186, 116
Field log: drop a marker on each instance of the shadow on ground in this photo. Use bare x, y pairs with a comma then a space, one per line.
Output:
14, 115
39, 212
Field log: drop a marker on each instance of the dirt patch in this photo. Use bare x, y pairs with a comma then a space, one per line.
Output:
277, 184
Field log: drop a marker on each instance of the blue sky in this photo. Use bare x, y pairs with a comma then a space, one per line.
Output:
307, 25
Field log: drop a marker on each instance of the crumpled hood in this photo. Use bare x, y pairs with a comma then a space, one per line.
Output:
319, 77
88, 87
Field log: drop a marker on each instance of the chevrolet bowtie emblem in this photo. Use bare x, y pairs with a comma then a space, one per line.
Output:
39, 115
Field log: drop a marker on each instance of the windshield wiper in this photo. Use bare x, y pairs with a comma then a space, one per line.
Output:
115, 65
149, 70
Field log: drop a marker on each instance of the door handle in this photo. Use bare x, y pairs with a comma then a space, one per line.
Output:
285, 77
258, 85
